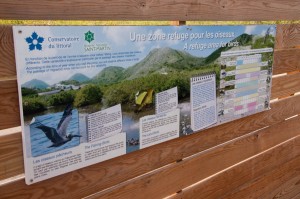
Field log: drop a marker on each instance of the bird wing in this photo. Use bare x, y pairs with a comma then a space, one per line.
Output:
62, 130
64, 121
51, 133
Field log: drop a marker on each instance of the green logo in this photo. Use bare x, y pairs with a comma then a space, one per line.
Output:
89, 36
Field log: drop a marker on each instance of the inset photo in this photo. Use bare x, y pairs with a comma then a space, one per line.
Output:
54, 132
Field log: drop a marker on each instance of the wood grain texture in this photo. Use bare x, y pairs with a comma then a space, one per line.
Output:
288, 36
286, 60
282, 182
283, 160
11, 160
7, 54
97, 177
169, 180
289, 189
150, 10
285, 85
9, 104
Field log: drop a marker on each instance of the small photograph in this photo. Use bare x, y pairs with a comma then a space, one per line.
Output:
54, 132
223, 74
133, 142
185, 127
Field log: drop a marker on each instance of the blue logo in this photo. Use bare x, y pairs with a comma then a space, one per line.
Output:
35, 41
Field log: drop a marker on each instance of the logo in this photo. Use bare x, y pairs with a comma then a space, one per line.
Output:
35, 42
89, 36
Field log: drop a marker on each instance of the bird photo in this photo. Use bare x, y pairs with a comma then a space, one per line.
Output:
53, 132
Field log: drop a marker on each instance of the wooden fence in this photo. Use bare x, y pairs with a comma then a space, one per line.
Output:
253, 157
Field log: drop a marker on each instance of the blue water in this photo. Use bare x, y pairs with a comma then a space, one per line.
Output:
39, 141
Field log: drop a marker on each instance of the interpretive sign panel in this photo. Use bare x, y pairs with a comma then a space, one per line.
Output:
92, 93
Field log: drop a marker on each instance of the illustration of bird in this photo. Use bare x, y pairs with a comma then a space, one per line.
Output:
59, 136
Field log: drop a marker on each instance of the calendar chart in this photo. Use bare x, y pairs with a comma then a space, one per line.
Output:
245, 82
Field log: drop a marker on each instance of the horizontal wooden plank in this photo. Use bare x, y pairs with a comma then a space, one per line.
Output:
7, 54
167, 152
282, 182
11, 163
286, 61
278, 162
288, 36
97, 177
9, 104
151, 10
289, 189
284, 86
171, 179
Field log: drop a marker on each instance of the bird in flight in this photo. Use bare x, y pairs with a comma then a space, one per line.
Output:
59, 135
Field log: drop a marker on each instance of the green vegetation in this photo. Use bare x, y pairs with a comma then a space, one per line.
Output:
264, 68
70, 82
31, 105
35, 84
230, 68
89, 94
80, 78
164, 61
231, 87
229, 78
243, 40
124, 92
28, 92
264, 42
109, 75
65, 97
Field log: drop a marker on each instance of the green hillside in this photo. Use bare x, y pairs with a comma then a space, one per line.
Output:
79, 78
163, 61
109, 75
255, 42
35, 84
243, 40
